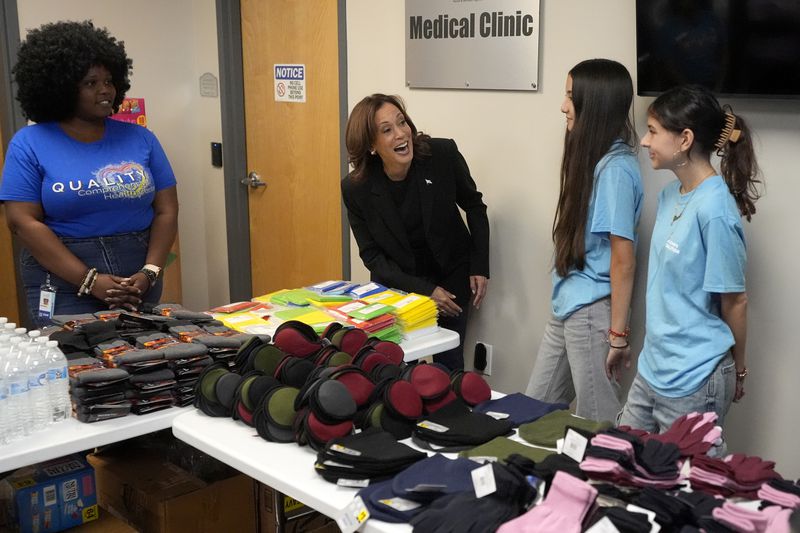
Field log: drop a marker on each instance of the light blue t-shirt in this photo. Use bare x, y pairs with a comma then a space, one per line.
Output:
87, 189
614, 209
697, 252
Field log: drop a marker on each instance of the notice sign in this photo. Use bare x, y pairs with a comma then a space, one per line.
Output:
290, 83
472, 44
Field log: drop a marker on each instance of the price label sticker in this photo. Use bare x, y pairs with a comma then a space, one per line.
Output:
604, 525
483, 481
353, 516
574, 445
353, 483
433, 426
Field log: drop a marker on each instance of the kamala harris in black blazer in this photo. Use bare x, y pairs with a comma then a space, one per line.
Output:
410, 232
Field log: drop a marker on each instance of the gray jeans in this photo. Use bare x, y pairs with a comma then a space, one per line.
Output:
571, 363
648, 410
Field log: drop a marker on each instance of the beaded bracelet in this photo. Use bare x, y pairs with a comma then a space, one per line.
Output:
624, 334
90, 287
88, 281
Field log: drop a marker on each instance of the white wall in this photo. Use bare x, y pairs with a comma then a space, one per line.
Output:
172, 44
513, 144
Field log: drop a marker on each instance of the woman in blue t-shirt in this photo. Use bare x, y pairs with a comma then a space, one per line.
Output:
92, 200
693, 357
585, 343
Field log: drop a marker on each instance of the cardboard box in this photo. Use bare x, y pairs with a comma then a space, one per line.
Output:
51, 496
299, 517
105, 523
156, 496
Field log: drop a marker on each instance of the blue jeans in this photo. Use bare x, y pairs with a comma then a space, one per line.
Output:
648, 410
571, 363
120, 255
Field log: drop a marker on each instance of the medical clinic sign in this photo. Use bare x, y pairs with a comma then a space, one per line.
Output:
472, 44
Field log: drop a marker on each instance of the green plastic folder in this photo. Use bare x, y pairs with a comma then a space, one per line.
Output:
371, 311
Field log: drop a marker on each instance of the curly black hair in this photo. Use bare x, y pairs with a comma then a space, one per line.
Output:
54, 59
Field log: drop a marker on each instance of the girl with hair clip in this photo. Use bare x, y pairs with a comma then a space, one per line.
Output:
585, 343
693, 357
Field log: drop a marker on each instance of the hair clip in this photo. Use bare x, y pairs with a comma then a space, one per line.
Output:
729, 133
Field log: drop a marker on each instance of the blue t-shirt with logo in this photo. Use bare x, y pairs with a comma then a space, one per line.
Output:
614, 209
697, 251
87, 189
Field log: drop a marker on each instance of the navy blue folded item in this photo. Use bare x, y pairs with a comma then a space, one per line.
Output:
384, 504
433, 477
520, 408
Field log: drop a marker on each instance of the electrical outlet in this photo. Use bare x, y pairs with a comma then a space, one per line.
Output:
488, 370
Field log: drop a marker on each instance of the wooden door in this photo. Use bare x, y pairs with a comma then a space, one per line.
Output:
9, 305
295, 221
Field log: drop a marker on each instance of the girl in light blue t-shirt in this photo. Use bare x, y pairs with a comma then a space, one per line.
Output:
585, 342
693, 357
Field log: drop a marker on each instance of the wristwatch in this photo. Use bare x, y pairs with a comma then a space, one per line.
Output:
152, 272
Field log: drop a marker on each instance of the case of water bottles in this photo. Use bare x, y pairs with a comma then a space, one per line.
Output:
34, 384
51, 496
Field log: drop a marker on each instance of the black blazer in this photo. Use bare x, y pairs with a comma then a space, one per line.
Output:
444, 184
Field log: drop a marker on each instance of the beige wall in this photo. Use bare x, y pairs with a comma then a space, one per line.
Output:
513, 143
172, 44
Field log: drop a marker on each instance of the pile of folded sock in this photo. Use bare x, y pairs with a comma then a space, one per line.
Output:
97, 393
187, 371
221, 342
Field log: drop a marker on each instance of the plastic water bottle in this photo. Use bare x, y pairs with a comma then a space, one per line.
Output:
18, 400
37, 388
33, 335
3, 394
57, 382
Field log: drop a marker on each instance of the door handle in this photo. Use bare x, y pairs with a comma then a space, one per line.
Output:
253, 180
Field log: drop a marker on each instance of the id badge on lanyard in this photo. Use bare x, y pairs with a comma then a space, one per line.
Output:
47, 299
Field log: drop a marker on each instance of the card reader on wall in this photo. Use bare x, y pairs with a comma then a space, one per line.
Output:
216, 154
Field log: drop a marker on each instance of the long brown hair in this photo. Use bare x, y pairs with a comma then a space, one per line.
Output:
602, 92
360, 133
695, 108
